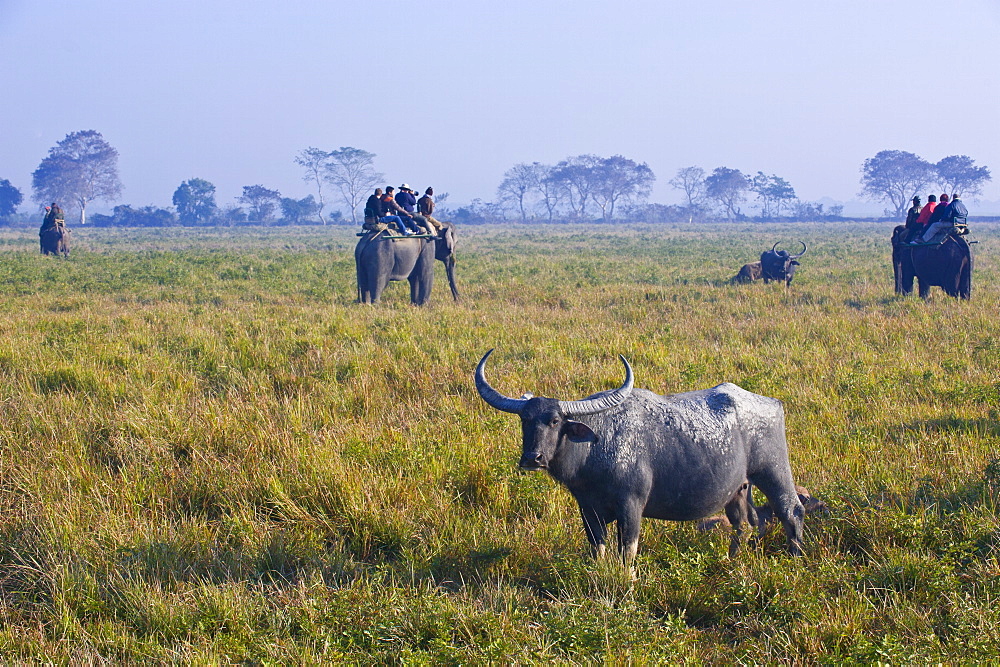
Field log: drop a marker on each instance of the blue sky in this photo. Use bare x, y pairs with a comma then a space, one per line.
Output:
452, 94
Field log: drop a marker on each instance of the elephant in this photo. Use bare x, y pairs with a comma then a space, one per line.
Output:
54, 241
380, 258
947, 265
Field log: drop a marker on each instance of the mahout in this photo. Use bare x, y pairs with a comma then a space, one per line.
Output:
779, 265
629, 453
947, 264
381, 257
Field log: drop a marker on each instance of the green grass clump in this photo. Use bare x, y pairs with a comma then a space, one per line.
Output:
210, 453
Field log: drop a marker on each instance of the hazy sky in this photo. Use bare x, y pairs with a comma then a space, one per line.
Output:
451, 94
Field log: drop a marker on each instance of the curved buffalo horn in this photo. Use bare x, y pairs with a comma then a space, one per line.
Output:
493, 397
775, 246
801, 253
591, 405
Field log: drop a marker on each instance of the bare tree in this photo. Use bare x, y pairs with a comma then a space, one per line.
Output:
550, 191
692, 181
314, 161
79, 169
576, 176
518, 183
352, 171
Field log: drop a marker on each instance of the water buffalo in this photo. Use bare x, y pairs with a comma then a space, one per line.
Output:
947, 265
778, 264
630, 453
380, 258
54, 241
748, 273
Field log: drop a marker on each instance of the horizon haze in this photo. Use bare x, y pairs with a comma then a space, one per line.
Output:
452, 95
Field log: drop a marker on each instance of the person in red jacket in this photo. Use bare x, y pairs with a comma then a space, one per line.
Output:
405, 220
925, 213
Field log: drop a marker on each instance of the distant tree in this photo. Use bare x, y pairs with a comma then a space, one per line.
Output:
296, 211
10, 199
691, 180
315, 162
619, 179
773, 192
126, 216
231, 214
81, 168
895, 177
959, 174
194, 200
518, 183
261, 201
550, 192
479, 212
728, 187
352, 172
813, 211
575, 176
656, 213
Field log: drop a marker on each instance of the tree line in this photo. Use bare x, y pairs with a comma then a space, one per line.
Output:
83, 167
589, 187
896, 177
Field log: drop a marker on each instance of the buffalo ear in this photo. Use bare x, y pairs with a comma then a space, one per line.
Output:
578, 432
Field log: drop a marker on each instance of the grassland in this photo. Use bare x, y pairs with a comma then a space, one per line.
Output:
209, 453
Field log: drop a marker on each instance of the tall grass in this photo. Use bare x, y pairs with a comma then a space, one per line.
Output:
208, 452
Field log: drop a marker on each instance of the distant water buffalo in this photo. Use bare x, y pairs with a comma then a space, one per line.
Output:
54, 241
948, 265
779, 265
630, 453
749, 273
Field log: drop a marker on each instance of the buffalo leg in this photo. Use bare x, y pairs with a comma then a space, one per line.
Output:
923, 288
784, 500
629, 522
738, 513
596, 528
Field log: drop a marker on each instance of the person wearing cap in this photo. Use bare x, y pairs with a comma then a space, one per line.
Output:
393, 212
408, 202
911, 227
405, 198
953, 214
425, 207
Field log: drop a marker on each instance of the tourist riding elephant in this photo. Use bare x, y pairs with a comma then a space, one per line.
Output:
947, 265
54, 241
381, 258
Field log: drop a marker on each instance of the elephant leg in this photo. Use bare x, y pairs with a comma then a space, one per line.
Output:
924, 288
965, 282
422, 278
